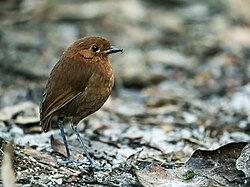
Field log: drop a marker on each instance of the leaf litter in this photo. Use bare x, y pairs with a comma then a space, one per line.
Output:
179, 112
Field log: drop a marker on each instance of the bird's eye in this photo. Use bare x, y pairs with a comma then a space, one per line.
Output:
95, 48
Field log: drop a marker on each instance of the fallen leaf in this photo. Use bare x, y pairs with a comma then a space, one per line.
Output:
155, 175
219, 164
243, 162
59, 147
35, 129
204, 168
132, 159
28, 109
40, 156
23, 120
7, 171
72, 178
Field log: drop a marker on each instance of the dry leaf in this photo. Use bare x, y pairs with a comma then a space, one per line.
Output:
8, 176
243, 162
40, 156
218, 165
59, 147
156, 176
29, 108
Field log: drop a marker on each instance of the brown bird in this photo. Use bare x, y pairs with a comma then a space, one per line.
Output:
79, 84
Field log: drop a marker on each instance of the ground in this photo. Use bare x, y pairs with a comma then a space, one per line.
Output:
178, 114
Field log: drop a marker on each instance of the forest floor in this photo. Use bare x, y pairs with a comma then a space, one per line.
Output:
178, 114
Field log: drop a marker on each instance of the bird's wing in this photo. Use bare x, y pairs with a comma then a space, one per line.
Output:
63, 86
51, 104
49, 107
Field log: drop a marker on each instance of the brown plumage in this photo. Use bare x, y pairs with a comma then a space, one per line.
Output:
79, 84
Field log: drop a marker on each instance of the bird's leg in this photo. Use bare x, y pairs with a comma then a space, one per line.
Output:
61, 127
92, 163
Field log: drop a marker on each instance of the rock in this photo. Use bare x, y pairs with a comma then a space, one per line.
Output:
134, 71
168, 57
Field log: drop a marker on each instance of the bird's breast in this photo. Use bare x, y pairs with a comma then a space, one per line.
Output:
96, 92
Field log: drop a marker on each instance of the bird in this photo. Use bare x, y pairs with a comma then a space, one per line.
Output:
78, 85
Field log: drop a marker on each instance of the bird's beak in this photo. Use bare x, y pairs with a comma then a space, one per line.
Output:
113, 49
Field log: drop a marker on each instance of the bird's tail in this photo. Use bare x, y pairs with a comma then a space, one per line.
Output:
45, 123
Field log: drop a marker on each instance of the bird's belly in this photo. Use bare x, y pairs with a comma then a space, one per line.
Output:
87, 104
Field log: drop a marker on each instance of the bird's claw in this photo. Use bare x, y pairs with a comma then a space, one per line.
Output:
92, 165
68, 161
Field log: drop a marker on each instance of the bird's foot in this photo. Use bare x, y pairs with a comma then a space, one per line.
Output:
96, 167
69, 161
92, 164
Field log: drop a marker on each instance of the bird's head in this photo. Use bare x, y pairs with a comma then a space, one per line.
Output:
93, 47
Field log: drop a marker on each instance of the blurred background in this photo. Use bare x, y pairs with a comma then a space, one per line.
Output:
181, 84
175, 51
